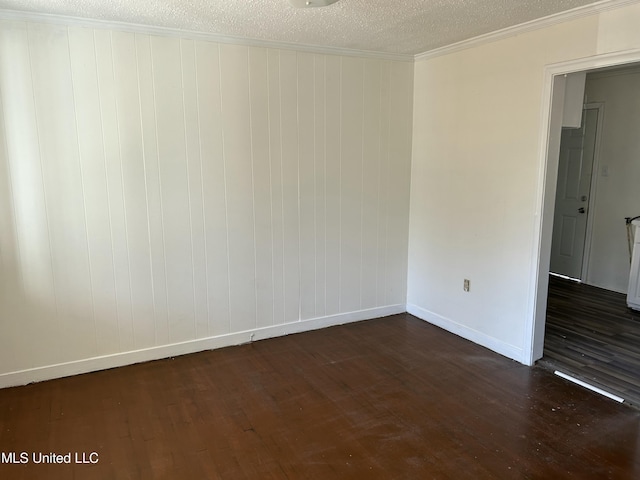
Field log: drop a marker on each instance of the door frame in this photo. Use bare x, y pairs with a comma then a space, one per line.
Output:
549, 149
595, 172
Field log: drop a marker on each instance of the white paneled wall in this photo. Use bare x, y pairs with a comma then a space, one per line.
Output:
157, 191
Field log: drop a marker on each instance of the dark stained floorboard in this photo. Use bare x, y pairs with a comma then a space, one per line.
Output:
592, 335
391, 398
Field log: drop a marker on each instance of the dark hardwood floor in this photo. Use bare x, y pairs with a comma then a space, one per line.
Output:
592, 335
391, 398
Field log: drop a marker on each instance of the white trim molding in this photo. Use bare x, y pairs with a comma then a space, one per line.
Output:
530, 26
95, 364
69, 21
487, 341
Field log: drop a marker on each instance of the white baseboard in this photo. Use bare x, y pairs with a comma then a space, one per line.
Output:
463, 331
93, 364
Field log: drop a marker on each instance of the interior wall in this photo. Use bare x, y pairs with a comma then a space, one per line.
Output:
159, 190
618, 178
476, 176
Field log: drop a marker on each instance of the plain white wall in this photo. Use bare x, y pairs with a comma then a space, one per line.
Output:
617, 192
476, 176
157, 190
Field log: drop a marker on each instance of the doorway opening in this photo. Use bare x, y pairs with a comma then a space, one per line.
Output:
590, 333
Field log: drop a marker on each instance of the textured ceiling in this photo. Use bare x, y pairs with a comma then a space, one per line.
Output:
390, 26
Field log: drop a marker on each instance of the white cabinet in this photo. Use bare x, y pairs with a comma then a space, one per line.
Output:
633, 294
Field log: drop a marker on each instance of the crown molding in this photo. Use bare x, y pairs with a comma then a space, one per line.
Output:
530, 26
69, 21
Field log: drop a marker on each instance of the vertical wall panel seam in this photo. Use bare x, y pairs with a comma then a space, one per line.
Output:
204, 215
186, 158
315, 198
340, 193
379, 184
387, 165
253, 189
106, 178
124, 196
298, 187
146, 193
226, 199
44, 187
364, 64
324, 73
284, 250
162, 229
273, 290
84, 200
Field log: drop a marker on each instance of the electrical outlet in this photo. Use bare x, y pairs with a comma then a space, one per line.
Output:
466, 285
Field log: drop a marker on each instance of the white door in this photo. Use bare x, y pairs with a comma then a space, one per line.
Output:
577, 148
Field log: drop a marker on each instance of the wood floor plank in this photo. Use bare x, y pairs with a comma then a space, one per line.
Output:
391, 398
591, 334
